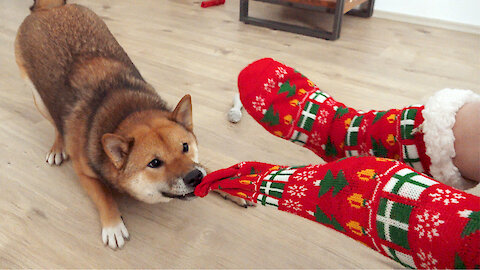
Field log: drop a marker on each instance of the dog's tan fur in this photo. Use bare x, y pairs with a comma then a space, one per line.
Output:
106, 117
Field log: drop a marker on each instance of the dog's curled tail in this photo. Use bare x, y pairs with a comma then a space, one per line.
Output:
46, 4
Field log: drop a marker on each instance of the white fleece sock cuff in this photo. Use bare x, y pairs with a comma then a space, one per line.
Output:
439, 114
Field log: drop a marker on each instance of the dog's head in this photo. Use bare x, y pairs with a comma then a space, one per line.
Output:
154, 155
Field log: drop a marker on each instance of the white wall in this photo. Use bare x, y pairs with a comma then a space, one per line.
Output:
458, 11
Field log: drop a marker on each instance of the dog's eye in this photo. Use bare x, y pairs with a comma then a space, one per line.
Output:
185, 147
155, 163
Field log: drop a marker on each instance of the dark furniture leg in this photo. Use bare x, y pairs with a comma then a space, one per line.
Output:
243, 10
337, 20
366, 10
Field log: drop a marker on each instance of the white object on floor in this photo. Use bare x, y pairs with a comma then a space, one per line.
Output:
235, 113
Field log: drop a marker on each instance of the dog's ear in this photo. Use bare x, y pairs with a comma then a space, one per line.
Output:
117, 148
183, 113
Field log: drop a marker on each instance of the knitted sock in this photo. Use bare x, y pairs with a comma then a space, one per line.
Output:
382, 203
290, 106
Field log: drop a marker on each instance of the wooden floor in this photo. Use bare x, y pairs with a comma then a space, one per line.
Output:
47, 221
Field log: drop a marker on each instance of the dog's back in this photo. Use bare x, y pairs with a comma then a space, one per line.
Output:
74, 47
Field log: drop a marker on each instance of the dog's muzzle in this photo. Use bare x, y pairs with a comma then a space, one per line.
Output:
193, 178
185, 197
190, 181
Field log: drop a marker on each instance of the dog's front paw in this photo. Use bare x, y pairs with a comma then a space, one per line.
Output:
115, 236
239, 201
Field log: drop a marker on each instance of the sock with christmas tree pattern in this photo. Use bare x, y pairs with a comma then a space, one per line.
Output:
385, 204
290, 106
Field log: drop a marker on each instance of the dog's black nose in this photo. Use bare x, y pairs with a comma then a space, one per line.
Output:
193, 178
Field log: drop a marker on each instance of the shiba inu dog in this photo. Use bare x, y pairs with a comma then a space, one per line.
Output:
113, 125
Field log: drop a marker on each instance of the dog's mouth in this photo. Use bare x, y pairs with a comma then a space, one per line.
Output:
184, 197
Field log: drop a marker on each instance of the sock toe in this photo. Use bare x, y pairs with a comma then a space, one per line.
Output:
271, 93
251, 76
253, 82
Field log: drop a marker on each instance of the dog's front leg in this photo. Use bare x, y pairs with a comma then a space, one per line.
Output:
113, 229
239, 201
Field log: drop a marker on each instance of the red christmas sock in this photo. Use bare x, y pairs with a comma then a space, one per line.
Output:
290, 106
382, 203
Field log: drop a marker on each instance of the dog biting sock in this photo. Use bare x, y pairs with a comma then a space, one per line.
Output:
385, 204
290, 106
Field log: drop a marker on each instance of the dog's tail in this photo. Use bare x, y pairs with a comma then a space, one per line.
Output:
46, 4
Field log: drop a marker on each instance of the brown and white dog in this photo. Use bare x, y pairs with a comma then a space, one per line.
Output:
114, 126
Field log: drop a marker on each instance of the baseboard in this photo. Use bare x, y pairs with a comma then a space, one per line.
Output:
427, 21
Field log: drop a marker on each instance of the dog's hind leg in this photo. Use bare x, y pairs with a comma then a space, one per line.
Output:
57, 153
